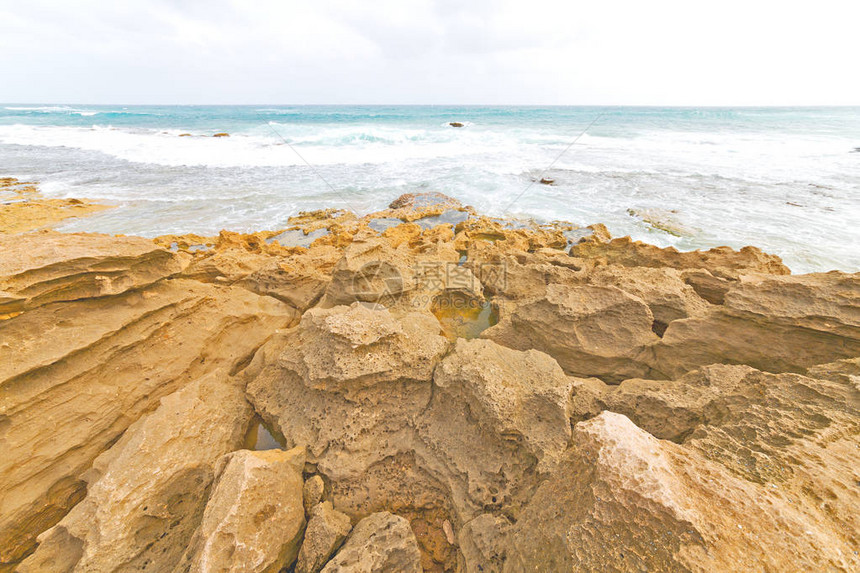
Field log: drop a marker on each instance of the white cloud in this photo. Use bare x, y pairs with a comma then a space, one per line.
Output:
424, 51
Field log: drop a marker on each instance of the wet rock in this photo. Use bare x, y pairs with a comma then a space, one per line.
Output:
423, 200
455, 124
382, 543
221, 135
546, 181
147, 493
254, 518
325, 533
590, 330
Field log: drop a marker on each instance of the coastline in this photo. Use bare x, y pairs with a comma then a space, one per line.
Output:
480, 387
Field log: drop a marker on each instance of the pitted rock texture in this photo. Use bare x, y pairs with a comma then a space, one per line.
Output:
634, 408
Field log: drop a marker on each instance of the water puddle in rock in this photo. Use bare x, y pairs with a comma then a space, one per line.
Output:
491, 237
381, 223
259, 437
451, 216
462, 315
297, 237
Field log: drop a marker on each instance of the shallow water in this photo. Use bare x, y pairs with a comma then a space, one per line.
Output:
463, 316
259, 437
782, 179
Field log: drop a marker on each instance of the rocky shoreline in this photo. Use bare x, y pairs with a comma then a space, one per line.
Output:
446, 391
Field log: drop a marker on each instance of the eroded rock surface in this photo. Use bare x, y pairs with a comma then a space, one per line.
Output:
146, 494
380, 543
633, 408
254, 518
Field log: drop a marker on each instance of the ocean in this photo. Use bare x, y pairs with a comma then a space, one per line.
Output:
783, 179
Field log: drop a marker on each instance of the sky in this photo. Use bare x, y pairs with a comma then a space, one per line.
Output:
603, 52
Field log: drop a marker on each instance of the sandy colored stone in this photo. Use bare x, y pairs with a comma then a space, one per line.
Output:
624, 500
40, 268
326, 531
146, 494
777, 324
313, 492
515, 404
254, 519
590, 330
379, 543
720, 261
662, 289
29, 210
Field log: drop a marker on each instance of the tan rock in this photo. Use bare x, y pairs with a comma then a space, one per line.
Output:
720, 261
325, 533
483, 544
75, 375
689, 513
147, 493
662, 289
591, 330
515, 404
313, 491
40, 268
30, 210
347, 382
777, 324
379, 543
254, 518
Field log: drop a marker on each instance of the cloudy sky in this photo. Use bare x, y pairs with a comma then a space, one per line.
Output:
660, 52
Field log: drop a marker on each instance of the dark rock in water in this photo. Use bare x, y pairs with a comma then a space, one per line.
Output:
456, 124
855, 150
420, 200
221, 135
547, 181
184, 135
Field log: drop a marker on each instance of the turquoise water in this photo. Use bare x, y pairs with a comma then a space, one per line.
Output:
784, 179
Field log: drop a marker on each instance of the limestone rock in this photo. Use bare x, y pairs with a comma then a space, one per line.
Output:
146, 494
347, 382
777, 324
720, 261
313, 491
320, 381
254, 518
324, 535
515, 404
591, 330
662, 289
379, 543
40, 268
624, 500
482, 543
75, 375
